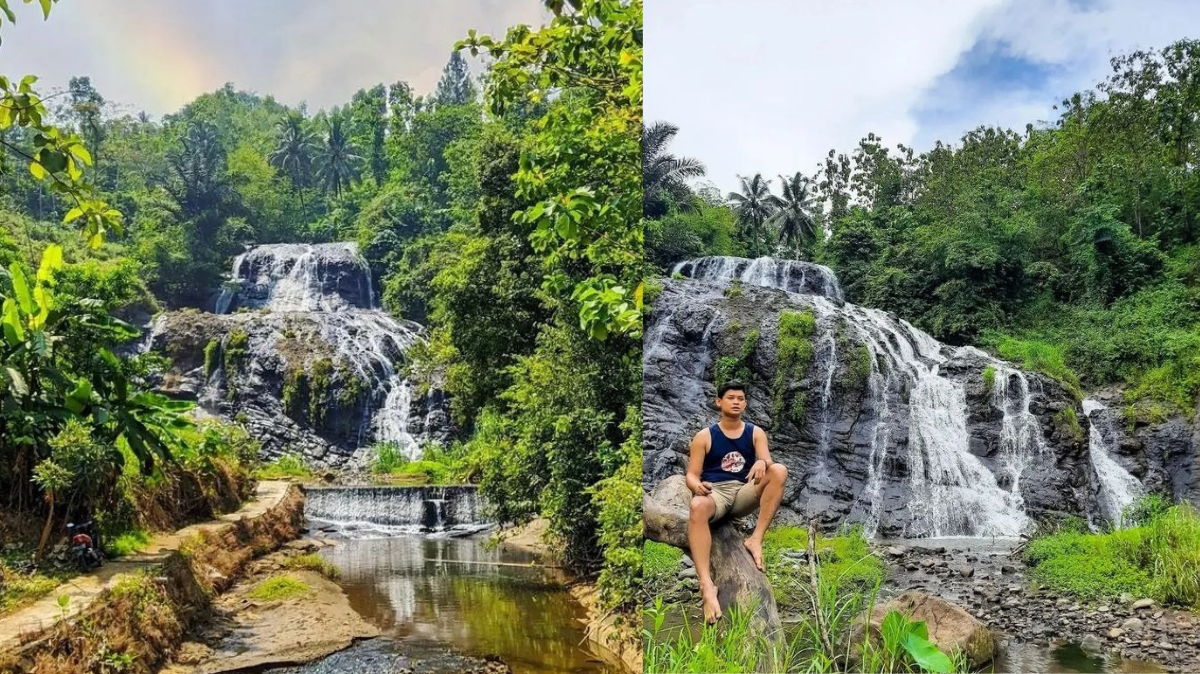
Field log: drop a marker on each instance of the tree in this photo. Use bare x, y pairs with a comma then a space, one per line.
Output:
337, 163
792, 217
368, 114
455, 87
753, 205
294, 151
86, 106
198, 166
663, 174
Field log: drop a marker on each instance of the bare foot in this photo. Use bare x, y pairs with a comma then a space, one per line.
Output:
754, 545
712, 607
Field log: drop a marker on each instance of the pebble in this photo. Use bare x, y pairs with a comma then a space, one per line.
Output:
1103, 609
966, 571
1143, 603
1115, 633
687, 561
689, 572
1006, 569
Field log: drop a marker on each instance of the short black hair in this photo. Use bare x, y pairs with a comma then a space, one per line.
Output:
731, 385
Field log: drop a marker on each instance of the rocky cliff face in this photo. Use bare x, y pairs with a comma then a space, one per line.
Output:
305, 360
877, 421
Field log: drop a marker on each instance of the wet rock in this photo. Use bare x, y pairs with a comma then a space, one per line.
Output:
1008, 569
895, 551
1091, 644
966, 571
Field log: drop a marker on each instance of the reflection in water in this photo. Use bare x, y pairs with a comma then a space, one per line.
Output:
436, 593
1063, 657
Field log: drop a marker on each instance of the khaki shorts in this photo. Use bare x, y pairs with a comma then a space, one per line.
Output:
733, 497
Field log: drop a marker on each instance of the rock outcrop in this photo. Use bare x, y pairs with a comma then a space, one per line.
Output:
305, 360
878, 422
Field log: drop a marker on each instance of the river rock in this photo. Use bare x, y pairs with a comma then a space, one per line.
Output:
1142, 604
688, 572
1091, 643
1132, 624
895, 551
966, 571
1008, 569
950, 627
1115, 633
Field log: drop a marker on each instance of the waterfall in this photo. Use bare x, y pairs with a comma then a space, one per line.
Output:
794, 276
1116, 488
331, 285
427, 509
913, 416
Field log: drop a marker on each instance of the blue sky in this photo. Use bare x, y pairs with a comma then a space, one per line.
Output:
771, 85
155, 55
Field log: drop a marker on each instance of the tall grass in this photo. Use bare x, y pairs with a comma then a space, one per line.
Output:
1159, 559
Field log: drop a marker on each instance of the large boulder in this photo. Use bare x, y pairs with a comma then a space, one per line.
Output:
951, 628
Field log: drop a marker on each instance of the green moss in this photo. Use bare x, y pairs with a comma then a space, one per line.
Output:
212, 352
237, 346
351, 389
796, 352
1069, 420
318, 390
650, 291
856, 368
989, 378
279, 588
738, 367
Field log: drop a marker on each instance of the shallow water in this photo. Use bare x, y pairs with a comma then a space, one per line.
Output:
432, 597
1063, 657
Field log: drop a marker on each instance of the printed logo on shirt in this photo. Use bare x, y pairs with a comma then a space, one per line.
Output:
733, 462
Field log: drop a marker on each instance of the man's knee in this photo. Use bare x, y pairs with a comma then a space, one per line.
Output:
778, 472
702, 507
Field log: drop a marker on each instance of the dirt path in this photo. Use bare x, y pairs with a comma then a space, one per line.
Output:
82, 589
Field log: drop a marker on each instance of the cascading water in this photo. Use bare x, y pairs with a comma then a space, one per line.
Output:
949, 491
454, 509
331, 285
1117, 488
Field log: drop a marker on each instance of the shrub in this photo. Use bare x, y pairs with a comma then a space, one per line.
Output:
286, 466
660, 563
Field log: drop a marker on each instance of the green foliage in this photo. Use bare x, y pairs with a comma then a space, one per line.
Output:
619, 515
989, 378
212, 352
1159, 558
796, 352
279, 588
1066, 418
127, 543
857, 370
313, 562
1145, 509
284, 467
660, 563
738, 366
1040, 357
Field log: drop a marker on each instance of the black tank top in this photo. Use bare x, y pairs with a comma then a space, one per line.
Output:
728, 459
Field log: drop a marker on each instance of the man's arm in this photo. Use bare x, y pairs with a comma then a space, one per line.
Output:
700, 443
760, 446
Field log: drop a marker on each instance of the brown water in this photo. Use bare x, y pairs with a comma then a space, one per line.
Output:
438, 595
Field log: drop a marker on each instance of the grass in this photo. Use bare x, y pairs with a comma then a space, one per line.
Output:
313, 562
660, 563
434, 467
989, 378
279, 588
849, 561
285, 467
18, 589
127, 543
1041, 357
1159, 559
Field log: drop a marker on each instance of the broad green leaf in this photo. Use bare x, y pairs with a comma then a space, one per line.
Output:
926, 655
21, 288
17, 382
14, 331
52, 261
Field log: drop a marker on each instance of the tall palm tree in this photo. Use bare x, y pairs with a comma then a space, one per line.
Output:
663, 173
294, 151
793, 219
337, 164
753, 206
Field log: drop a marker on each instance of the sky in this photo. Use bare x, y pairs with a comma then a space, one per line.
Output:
156, 55
771, 86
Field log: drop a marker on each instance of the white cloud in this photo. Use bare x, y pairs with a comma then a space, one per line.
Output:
771, 86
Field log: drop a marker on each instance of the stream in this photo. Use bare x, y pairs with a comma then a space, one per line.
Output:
441, 598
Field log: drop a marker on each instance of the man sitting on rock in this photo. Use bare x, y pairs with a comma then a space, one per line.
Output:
730, 472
